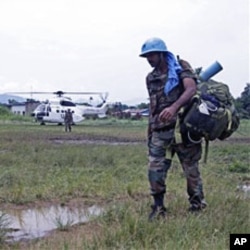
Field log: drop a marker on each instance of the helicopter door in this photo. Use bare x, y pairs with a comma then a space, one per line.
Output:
62, 113
47, 110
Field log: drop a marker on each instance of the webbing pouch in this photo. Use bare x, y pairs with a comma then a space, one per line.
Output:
206, 120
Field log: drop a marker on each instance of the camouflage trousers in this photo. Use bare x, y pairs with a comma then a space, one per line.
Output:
162, 147
67, 126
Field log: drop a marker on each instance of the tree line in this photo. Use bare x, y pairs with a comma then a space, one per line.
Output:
242, 103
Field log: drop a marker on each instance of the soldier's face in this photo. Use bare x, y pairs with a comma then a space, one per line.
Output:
153, 59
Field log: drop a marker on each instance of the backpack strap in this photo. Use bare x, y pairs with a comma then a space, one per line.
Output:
206, 150
229, 115
177, 129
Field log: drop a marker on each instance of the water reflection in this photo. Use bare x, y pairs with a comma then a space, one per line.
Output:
35, 223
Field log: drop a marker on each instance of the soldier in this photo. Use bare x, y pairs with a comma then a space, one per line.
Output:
170, 88
68, 120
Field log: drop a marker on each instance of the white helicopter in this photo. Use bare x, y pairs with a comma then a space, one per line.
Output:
53, 110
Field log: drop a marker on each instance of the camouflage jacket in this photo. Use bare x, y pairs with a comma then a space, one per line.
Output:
68, 118
159, 100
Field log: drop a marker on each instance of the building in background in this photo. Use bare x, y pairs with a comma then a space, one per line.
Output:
22, 108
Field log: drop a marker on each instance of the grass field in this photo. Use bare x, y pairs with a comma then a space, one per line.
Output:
104, 162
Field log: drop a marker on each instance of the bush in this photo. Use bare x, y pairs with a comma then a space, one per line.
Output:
4, 111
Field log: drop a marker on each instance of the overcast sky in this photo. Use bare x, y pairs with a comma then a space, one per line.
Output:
93, 45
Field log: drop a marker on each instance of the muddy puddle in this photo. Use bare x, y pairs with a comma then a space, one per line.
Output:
97, 142
39, 222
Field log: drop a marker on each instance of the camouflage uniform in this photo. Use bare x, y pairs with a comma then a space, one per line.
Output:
162, 142
68, 120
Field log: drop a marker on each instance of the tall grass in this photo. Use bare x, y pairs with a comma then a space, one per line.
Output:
45, 164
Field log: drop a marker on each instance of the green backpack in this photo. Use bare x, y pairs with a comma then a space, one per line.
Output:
211, 113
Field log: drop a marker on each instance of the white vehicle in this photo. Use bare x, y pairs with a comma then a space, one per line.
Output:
53, 110
94, 112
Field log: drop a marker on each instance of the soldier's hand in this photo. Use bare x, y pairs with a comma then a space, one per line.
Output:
167, 114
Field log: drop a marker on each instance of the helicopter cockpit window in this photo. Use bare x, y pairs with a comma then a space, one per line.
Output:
67, 103
41, 108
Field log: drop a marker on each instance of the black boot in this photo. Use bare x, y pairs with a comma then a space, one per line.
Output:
197, 207
158, 209
157, 213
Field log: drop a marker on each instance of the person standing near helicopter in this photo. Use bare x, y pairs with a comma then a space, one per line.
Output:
170, 88
68, 120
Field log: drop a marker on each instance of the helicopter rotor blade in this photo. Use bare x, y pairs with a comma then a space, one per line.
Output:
31, 92
104, 96
59, 92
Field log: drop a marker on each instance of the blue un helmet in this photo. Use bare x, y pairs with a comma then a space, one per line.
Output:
153, 45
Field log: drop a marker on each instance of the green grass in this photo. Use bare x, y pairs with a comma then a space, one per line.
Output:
36, 167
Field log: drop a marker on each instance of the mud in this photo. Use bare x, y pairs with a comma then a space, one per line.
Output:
107, 140
96, 142
31, 223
